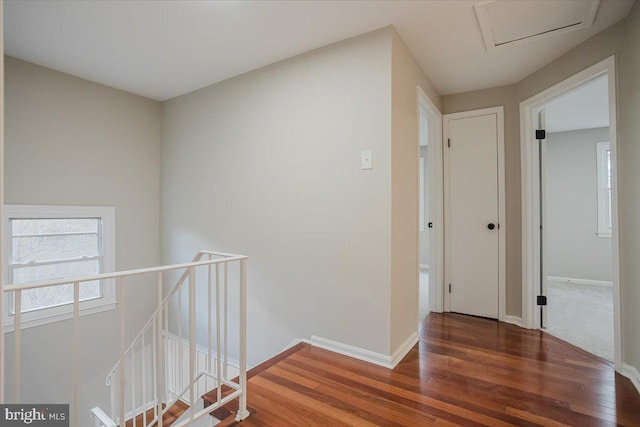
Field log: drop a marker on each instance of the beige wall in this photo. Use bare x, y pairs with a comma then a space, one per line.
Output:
69, 141
622, 40
268, 164
406, 76
629, 188
274, 172
505, 96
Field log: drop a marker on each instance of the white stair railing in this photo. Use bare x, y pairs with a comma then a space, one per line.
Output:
161, 367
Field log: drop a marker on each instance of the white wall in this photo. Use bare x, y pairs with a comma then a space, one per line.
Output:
73, 142
573, 248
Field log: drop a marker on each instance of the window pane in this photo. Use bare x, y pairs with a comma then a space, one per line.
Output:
35, 299
56, 295
54, 247
39, 273
608, 155
608, 219
54, 226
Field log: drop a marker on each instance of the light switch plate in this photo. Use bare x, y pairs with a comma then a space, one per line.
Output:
367, 160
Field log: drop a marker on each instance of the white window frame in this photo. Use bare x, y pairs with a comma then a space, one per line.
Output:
61, 312
604, 200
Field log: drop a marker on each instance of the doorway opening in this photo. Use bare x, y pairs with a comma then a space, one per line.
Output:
430, 226
570, 233
425, 225
576, 204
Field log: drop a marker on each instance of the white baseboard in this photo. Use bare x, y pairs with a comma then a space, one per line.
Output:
351, 351
424, 267
633, 374
404, 348
514, 320
296, 342
572, 280
383, 360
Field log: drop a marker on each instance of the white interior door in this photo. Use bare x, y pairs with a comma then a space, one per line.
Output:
473, 231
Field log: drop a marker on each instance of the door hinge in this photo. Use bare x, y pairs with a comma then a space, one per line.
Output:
542, 300
541, 134
449, 287
449, 142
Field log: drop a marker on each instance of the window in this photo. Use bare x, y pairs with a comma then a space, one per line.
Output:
604, 189
56, 242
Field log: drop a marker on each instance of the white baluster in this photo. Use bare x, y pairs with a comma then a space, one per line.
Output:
143, 380
17, 335
132, 374
180, 344
160, 378
218, 358
192, 337
76, 355
242, 409
123, 348
225, 317
209, 326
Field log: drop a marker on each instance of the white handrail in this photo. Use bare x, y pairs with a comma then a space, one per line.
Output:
101, 419
164, 373
106, 276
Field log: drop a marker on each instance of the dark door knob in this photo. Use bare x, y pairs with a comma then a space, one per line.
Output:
491, 226
430, 225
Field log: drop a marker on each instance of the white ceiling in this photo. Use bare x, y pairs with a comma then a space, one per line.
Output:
162, 49
584, 108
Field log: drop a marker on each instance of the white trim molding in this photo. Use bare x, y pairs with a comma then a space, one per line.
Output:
295, 342
603, 152
427, 109
514, 320
383, 360
633, 375
401, 352
106, 238
574, 281
530, 191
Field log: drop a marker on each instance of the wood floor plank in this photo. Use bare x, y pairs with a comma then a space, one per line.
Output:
464, 371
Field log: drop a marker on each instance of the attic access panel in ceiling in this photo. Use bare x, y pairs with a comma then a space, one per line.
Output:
506, 23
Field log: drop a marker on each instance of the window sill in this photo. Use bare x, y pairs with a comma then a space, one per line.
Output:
59, 317
604, 235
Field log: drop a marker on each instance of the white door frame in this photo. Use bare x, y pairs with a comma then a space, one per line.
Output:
426, 108
499, 112
530, 194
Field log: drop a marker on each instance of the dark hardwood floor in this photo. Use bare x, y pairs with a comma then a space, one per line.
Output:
464, 371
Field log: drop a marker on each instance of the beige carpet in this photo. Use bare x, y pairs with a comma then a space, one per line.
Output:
583, 316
